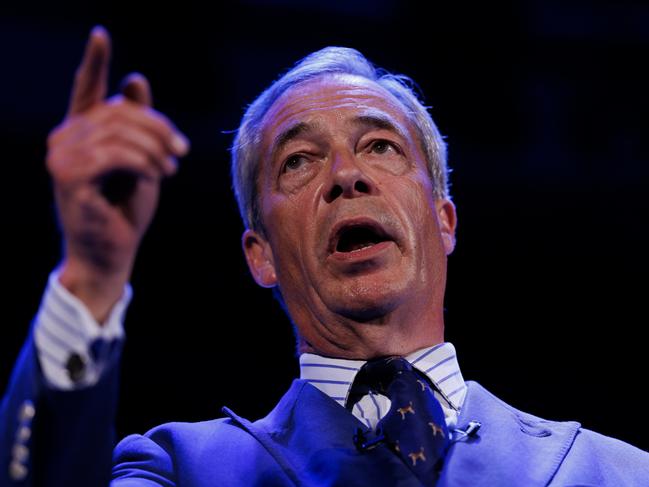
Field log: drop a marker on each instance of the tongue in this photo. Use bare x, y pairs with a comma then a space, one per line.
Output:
356, 239
359, 245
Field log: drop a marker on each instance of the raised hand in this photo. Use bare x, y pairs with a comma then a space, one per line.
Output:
106, 160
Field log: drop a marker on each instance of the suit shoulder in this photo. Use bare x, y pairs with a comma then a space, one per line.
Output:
169, 436
174, 451
529, 423
595, 459
611, 449
586, 457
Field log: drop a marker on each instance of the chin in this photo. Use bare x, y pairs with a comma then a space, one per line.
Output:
370, 315
366, 304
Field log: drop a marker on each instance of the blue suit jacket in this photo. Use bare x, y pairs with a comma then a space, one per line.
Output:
306, 440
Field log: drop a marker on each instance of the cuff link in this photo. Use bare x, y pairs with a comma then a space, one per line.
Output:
76, 368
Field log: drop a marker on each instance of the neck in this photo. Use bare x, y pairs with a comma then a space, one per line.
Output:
397, 333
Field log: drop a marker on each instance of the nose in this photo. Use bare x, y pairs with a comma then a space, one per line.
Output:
347, 179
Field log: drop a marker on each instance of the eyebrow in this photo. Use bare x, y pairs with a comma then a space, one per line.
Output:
291, 133
379, 121
371, 119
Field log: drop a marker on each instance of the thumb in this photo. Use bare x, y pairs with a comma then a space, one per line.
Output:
91, 79
136, 87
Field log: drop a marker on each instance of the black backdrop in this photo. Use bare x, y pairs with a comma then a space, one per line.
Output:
544, 105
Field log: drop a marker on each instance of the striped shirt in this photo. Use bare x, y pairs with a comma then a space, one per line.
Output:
64, 328
335, 376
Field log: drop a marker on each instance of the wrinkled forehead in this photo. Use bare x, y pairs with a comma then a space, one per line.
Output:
335, 97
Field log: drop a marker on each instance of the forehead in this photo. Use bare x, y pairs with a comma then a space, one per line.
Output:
333, 98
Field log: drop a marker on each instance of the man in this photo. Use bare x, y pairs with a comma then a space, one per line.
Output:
341, 179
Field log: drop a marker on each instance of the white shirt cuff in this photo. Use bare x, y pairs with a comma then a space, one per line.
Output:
73, 349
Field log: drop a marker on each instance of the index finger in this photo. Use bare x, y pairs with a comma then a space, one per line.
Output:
91, 78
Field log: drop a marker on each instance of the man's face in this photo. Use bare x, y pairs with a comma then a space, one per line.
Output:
353, 235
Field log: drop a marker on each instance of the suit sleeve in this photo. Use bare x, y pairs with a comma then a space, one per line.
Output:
53, 437
54, 433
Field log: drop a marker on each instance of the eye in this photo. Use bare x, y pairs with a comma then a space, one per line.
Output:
294, 162
382, 146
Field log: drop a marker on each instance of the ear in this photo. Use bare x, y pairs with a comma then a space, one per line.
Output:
447, 223
260, 258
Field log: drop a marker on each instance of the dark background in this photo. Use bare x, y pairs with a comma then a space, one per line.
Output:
544, 105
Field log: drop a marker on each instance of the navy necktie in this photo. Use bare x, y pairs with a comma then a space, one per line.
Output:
414, 428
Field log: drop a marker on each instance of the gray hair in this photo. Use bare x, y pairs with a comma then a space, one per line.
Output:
328, 61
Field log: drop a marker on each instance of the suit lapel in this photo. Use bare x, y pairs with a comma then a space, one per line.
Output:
311, 438
511, 447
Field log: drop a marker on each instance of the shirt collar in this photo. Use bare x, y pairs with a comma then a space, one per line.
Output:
334, 376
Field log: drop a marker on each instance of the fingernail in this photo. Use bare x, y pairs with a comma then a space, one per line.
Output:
98, 30
179, 144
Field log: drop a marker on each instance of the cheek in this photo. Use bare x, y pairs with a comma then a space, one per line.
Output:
287, 229
417, 201
419, 213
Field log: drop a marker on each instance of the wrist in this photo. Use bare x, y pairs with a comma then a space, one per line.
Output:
97, 288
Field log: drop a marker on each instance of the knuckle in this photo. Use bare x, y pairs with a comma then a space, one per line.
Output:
90, 153
162, 123
51, 163
57, 133
158, 149
110, 155
52, 139
113, 127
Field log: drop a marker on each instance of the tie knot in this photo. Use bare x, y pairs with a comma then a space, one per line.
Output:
377, 375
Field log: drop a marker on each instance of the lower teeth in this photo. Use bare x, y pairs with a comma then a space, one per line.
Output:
361, 248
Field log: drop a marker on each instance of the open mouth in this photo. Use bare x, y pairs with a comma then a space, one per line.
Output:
357, 237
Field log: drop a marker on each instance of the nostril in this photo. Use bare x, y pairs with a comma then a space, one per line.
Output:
361, 187
335, 192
